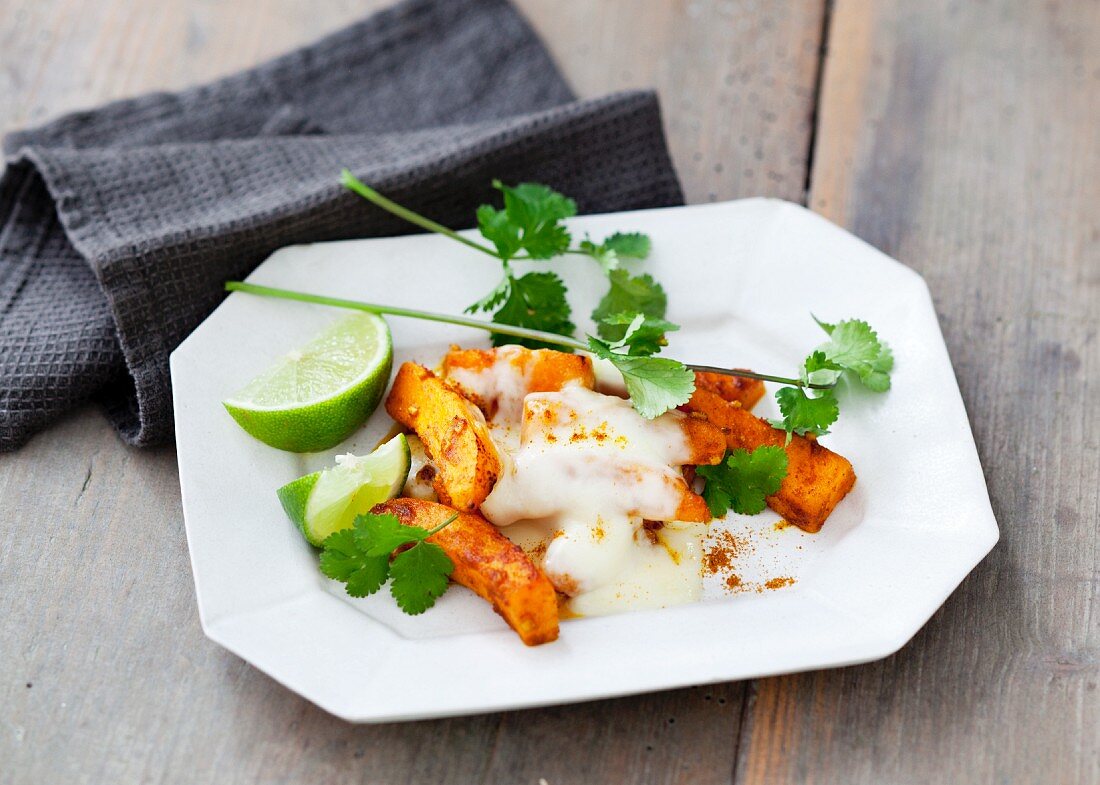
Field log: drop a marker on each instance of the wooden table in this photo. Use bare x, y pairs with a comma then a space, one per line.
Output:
960, 137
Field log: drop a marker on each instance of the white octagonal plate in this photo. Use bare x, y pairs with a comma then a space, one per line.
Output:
742, 278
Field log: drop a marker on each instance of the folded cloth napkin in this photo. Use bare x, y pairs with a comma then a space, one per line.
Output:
119, 226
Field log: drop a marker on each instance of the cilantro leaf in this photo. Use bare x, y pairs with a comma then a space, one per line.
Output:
826, 326
655, 384
819, 361
644, 335
493, 298
852, 343
381, 535
743, 480
628, 294
344, 560
529, 204
360, 557
855, 347
876, 378
497, 228
535, 213
628, 245
819, 369
419, 577
803, 414
608, 259
537, 301
620, 245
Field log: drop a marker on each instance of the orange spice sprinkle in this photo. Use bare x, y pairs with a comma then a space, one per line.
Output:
779, 583
716, 561
720, 556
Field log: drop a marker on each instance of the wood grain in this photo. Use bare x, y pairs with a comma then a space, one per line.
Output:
105, 675
962, 139
736, 81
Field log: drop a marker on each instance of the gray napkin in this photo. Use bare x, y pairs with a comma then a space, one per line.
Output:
119, 226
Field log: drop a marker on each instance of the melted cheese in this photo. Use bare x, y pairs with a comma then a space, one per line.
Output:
655, 575
504, 383
580, 474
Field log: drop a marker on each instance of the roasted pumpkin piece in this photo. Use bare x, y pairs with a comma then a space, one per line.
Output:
739, 389
705, 441
817, 478
490, 565
706, 446
497, 379
453, 431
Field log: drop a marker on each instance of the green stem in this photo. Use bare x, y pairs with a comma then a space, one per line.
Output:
389, 310
351, 182
479, 324
522, 257
764, 377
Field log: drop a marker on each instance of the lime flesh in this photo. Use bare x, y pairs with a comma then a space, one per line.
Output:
317, 396
328, 501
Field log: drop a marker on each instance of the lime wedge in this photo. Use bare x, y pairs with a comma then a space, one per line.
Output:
316, 396
328, 501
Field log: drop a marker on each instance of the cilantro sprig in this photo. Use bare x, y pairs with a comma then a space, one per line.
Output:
360, 557
529, 227
853, 350
853, 347
530, 222
655, 384
743, 480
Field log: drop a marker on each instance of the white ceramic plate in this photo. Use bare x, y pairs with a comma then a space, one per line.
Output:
742, 278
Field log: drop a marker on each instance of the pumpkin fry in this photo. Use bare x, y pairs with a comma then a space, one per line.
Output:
817, 478
739, 389
453, 432
490, 565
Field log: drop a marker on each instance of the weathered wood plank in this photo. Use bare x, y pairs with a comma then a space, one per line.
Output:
736, 81
961, 138
97, 609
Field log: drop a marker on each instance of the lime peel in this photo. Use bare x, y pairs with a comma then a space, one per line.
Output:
316, 396
328, 501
